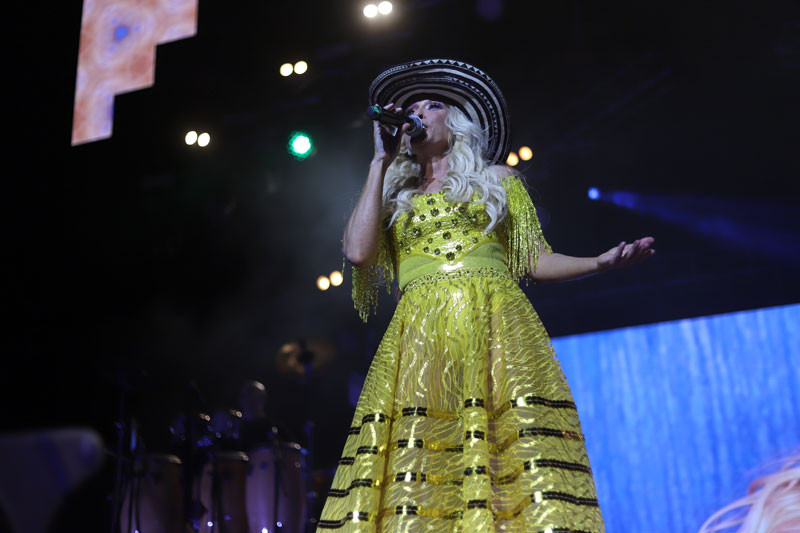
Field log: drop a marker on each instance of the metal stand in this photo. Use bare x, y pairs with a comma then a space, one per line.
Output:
306, 358
193, 507
118, 482
278, 485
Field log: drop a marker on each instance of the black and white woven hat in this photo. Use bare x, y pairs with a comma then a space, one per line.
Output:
455, 83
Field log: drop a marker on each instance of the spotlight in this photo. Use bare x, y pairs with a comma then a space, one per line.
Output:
512, 160
323, 283
525, 153
286, 69
593, 193
203, 139
300, 145
336, 278
370, 11
384, 8
300, 67
191, 137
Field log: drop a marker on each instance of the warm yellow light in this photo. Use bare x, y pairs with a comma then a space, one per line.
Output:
370, 11
286, 69
191, 137
384, 8
525, 153
203, 139
300, 67
336, 278
323, 283
512, 160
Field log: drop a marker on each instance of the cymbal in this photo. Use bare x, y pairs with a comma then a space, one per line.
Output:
293, 356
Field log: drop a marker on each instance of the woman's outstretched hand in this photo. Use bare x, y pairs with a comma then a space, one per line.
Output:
387, 146
624, 255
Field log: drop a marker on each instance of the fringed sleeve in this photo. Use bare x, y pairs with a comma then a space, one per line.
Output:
367, 280
525, 242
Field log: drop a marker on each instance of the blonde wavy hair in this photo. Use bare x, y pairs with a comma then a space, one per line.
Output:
772, 504
468, 173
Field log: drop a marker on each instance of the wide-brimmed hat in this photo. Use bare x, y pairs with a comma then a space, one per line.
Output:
455, 83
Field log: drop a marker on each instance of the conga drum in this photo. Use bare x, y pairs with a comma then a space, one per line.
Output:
153, 497
276, 488
222, 493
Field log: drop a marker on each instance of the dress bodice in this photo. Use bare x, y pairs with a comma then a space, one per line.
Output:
439, 236
438, 229
442, 236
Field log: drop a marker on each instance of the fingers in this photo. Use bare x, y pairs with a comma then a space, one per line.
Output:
390, 131
639, 250
643, 247
620, 251
391, 107
625, 254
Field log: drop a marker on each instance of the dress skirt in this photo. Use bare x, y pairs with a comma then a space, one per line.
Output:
465, 422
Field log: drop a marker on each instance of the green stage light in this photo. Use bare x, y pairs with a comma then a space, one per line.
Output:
300, 145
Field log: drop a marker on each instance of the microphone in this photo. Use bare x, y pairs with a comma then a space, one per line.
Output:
390, 118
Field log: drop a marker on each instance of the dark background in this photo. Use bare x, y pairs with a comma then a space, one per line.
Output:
142, 262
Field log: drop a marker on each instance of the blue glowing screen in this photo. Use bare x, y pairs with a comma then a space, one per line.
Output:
680, 416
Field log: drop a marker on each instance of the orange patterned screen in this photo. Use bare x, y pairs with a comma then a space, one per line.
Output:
117, 54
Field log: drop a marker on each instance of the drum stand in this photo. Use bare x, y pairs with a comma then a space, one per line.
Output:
216, 495
278, 460
193, 508
306, 357
118, 481
123, 477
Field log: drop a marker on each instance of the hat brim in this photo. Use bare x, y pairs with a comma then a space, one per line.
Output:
456, 83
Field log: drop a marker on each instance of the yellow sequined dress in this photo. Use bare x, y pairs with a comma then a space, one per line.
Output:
465, 422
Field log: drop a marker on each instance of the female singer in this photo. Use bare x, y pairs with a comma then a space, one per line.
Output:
465, 422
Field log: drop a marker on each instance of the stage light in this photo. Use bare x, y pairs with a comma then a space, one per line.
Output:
286, 69
370, 11
203, 139
300, 145
323, 283
512, 160
300, 67
384, 8
593, 193
525, 153
191, 137
336, 278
